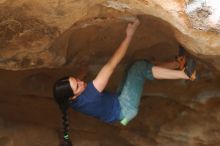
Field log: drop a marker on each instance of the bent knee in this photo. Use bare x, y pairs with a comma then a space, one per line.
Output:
141, 67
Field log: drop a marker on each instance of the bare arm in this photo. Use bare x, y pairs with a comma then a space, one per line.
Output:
105, 73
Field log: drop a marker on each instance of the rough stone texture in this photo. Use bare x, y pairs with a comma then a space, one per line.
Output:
30, 30
204, 14
174, 113
27, 135
42, 41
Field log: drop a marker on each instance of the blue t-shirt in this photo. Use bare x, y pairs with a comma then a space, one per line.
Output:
104, 106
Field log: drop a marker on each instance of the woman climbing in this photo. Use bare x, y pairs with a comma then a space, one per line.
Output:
92, 100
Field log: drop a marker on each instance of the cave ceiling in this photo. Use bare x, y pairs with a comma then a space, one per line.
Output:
40, 34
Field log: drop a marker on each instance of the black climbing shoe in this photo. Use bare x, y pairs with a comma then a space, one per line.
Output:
190, 68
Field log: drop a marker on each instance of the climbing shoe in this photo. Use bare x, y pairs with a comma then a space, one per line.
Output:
181, 58
182, 62
190, 69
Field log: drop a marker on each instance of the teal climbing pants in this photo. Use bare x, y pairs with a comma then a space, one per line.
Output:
132, 88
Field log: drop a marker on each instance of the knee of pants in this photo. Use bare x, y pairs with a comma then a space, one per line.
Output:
138, 67
142, 68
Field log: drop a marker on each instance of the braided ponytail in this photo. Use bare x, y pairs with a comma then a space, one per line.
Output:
66, 138
62, 91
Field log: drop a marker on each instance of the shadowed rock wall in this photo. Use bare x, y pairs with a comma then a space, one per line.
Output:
41, 41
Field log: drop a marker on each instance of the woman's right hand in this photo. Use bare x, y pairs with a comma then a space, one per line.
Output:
131, 28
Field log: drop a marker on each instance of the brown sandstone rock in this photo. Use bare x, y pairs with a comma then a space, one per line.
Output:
41, 41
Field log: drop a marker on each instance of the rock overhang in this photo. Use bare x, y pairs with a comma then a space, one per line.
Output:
32, 29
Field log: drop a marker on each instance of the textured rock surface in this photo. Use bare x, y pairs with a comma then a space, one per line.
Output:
36, 34
172, 113
44, 40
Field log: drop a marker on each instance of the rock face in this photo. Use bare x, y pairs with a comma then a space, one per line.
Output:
204, 14
36, 34
41, 41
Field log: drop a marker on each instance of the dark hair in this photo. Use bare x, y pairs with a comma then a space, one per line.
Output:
62, 91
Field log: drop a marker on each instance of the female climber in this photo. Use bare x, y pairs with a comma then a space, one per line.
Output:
92, 100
